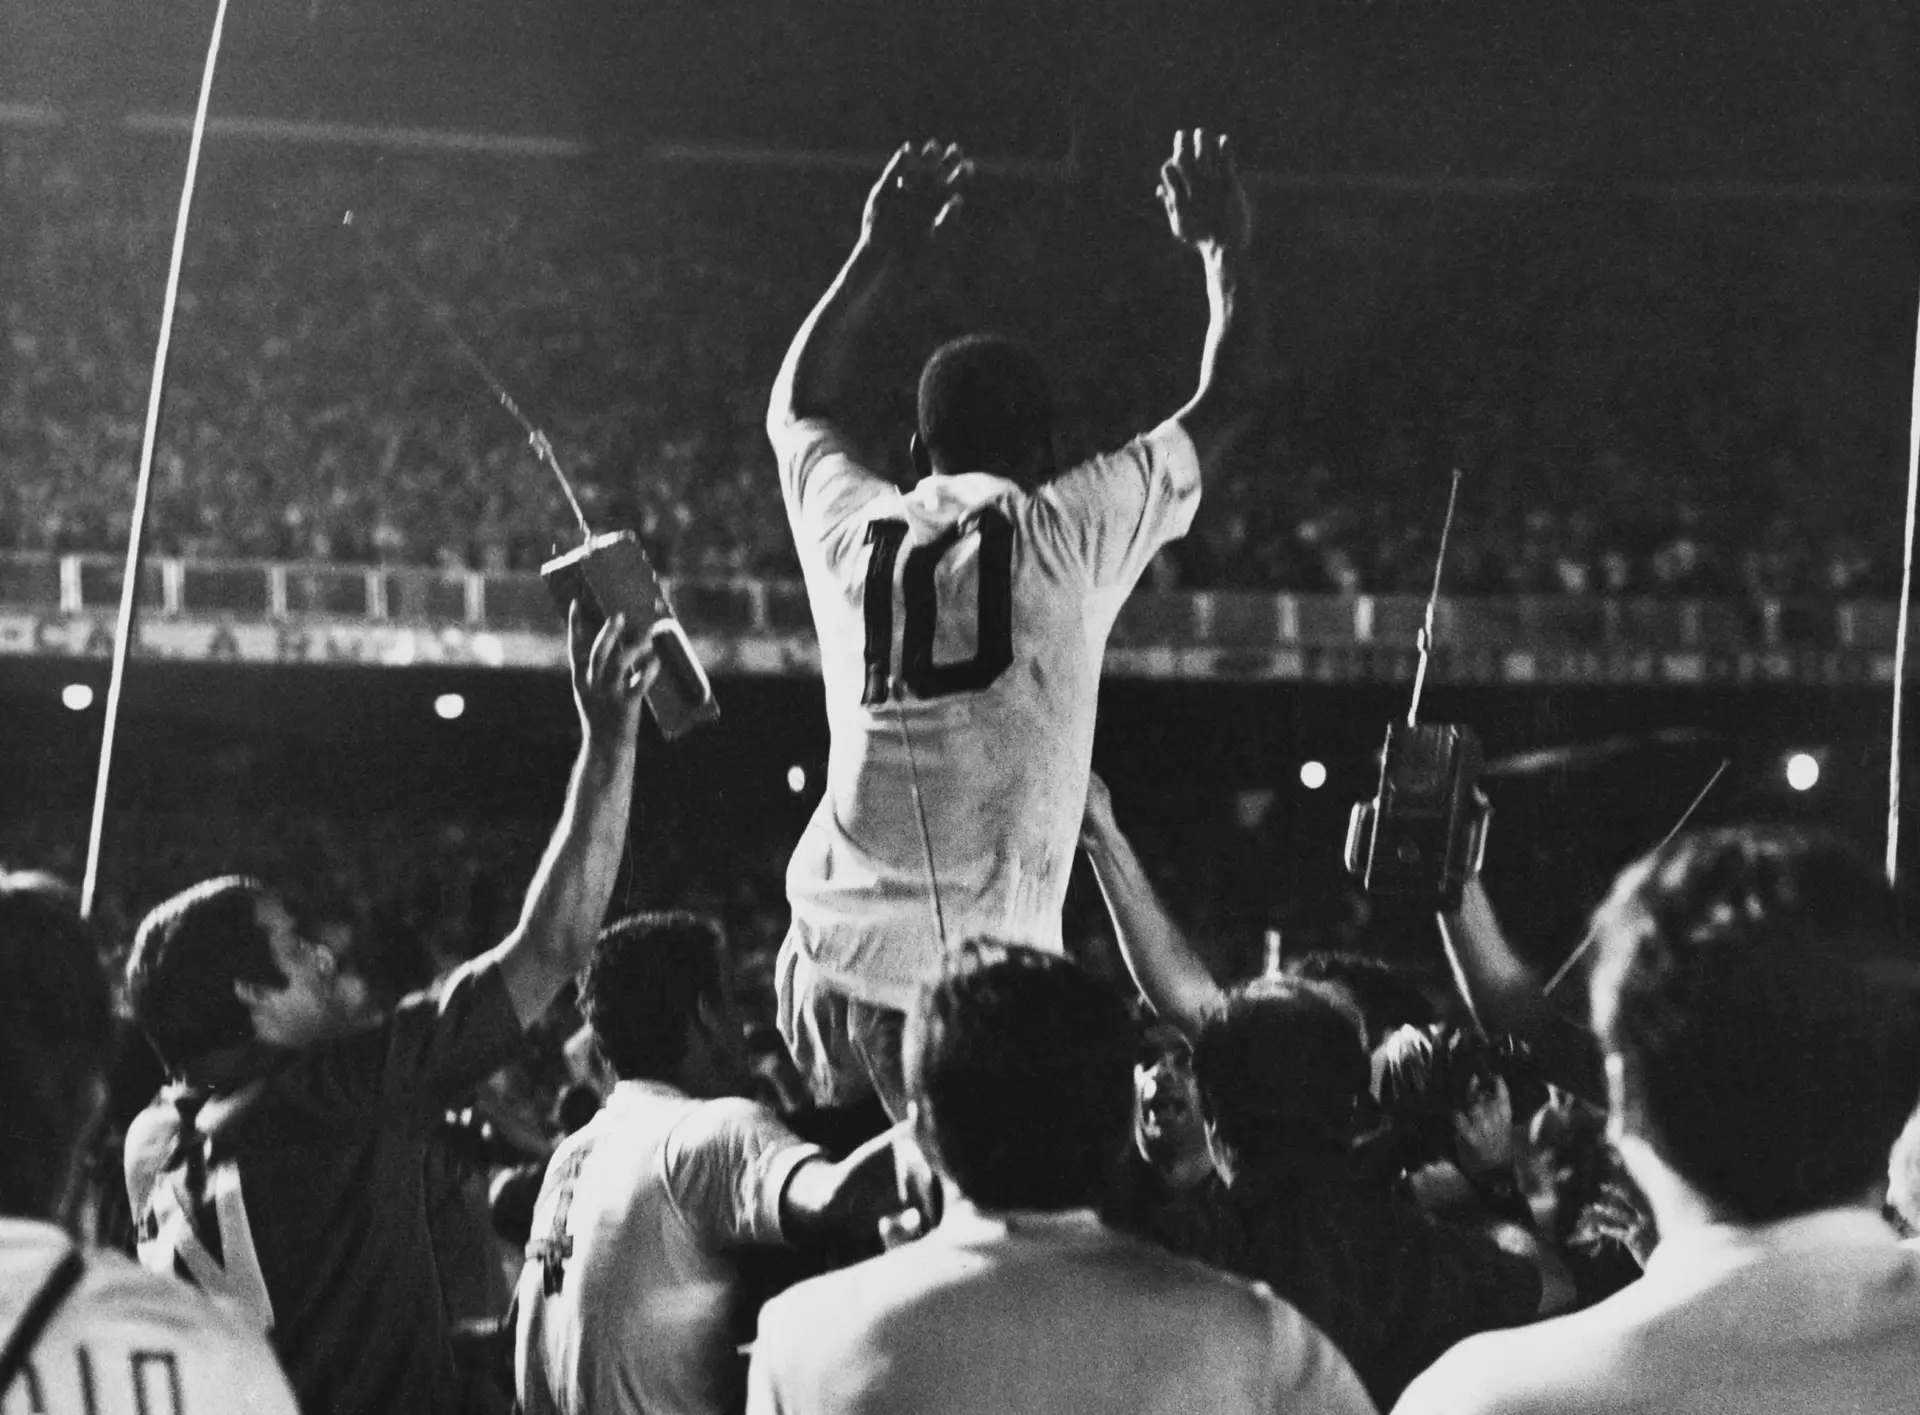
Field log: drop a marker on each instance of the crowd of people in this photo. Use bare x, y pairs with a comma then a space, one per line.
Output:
964, 1170
1645, 428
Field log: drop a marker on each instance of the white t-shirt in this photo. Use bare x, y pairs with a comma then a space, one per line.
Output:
630, 1297
973, 615
126, 1342
1041, 1312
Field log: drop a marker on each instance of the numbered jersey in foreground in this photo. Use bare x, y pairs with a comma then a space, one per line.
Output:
962, 627
126, 1342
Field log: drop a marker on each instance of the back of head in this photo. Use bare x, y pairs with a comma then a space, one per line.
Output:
1281, 1067
985, 406
1764, 1006
56, 1038
1021, 1063
647, 978
187, 955
1387, 997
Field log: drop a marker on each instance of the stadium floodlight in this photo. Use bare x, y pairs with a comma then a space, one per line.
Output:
1803, 771
448, 706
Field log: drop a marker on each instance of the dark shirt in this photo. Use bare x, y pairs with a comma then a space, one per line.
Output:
1189, 1223
1392, 1287
329, 1145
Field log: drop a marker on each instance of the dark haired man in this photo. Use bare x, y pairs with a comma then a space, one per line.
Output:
634, 1296
962, 623
1758, 1006
87, 1330
285, 1170
1282, 1071
1018, 1068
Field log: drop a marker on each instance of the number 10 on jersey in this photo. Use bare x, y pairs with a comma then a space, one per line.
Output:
993, 643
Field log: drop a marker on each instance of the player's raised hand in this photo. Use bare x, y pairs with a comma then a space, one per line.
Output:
612, 671
921, 190
1201, 189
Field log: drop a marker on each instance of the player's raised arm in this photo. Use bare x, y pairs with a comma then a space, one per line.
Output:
1208, 211
917, 194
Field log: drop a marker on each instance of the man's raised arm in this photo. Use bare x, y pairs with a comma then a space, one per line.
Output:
1175, 983
567, 900
1207, 210
918, 192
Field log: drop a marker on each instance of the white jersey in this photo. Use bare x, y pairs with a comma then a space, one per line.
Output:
962, 628
126, 1342
632, 1301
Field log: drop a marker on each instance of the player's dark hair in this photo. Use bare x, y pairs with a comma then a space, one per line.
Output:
985, 405
1280, 1067
1022, 1065
1765, 1006
187, 955
647, 978
1387, 996
56, 1038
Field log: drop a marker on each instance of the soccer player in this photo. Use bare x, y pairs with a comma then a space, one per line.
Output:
962, 624
639, 1287
286, 1168
84, 1330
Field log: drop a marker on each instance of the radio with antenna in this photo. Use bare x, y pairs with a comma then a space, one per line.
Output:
1424, 833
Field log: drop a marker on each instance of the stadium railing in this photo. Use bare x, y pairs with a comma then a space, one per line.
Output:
63, 604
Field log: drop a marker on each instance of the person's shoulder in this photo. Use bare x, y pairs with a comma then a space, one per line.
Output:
1530, 1370
118, 1293
728, 1120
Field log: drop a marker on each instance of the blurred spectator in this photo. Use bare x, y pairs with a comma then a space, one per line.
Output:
84, 1326
1759, 1009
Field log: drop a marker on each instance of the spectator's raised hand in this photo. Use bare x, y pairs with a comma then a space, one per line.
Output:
921, 190
612, 671
1201, 189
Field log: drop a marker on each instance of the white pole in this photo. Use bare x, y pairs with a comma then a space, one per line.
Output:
143, 487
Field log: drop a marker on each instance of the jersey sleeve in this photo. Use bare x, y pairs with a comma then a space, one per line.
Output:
825, 487
727, 1166
1112, 514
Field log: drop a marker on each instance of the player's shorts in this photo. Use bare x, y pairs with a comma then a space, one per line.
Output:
845, 1049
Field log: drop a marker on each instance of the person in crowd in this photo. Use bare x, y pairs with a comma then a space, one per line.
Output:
80, 1329
1166, 1189
1757, 1004
1282, 1071
636, 1295
1387, 998
954, 772
285, 1168
1017, 1068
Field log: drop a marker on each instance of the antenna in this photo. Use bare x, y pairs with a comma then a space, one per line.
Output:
926, 836
1425, 639
536, 439
1592, 937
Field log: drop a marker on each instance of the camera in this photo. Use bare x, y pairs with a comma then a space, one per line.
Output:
1425, 832
611, 575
